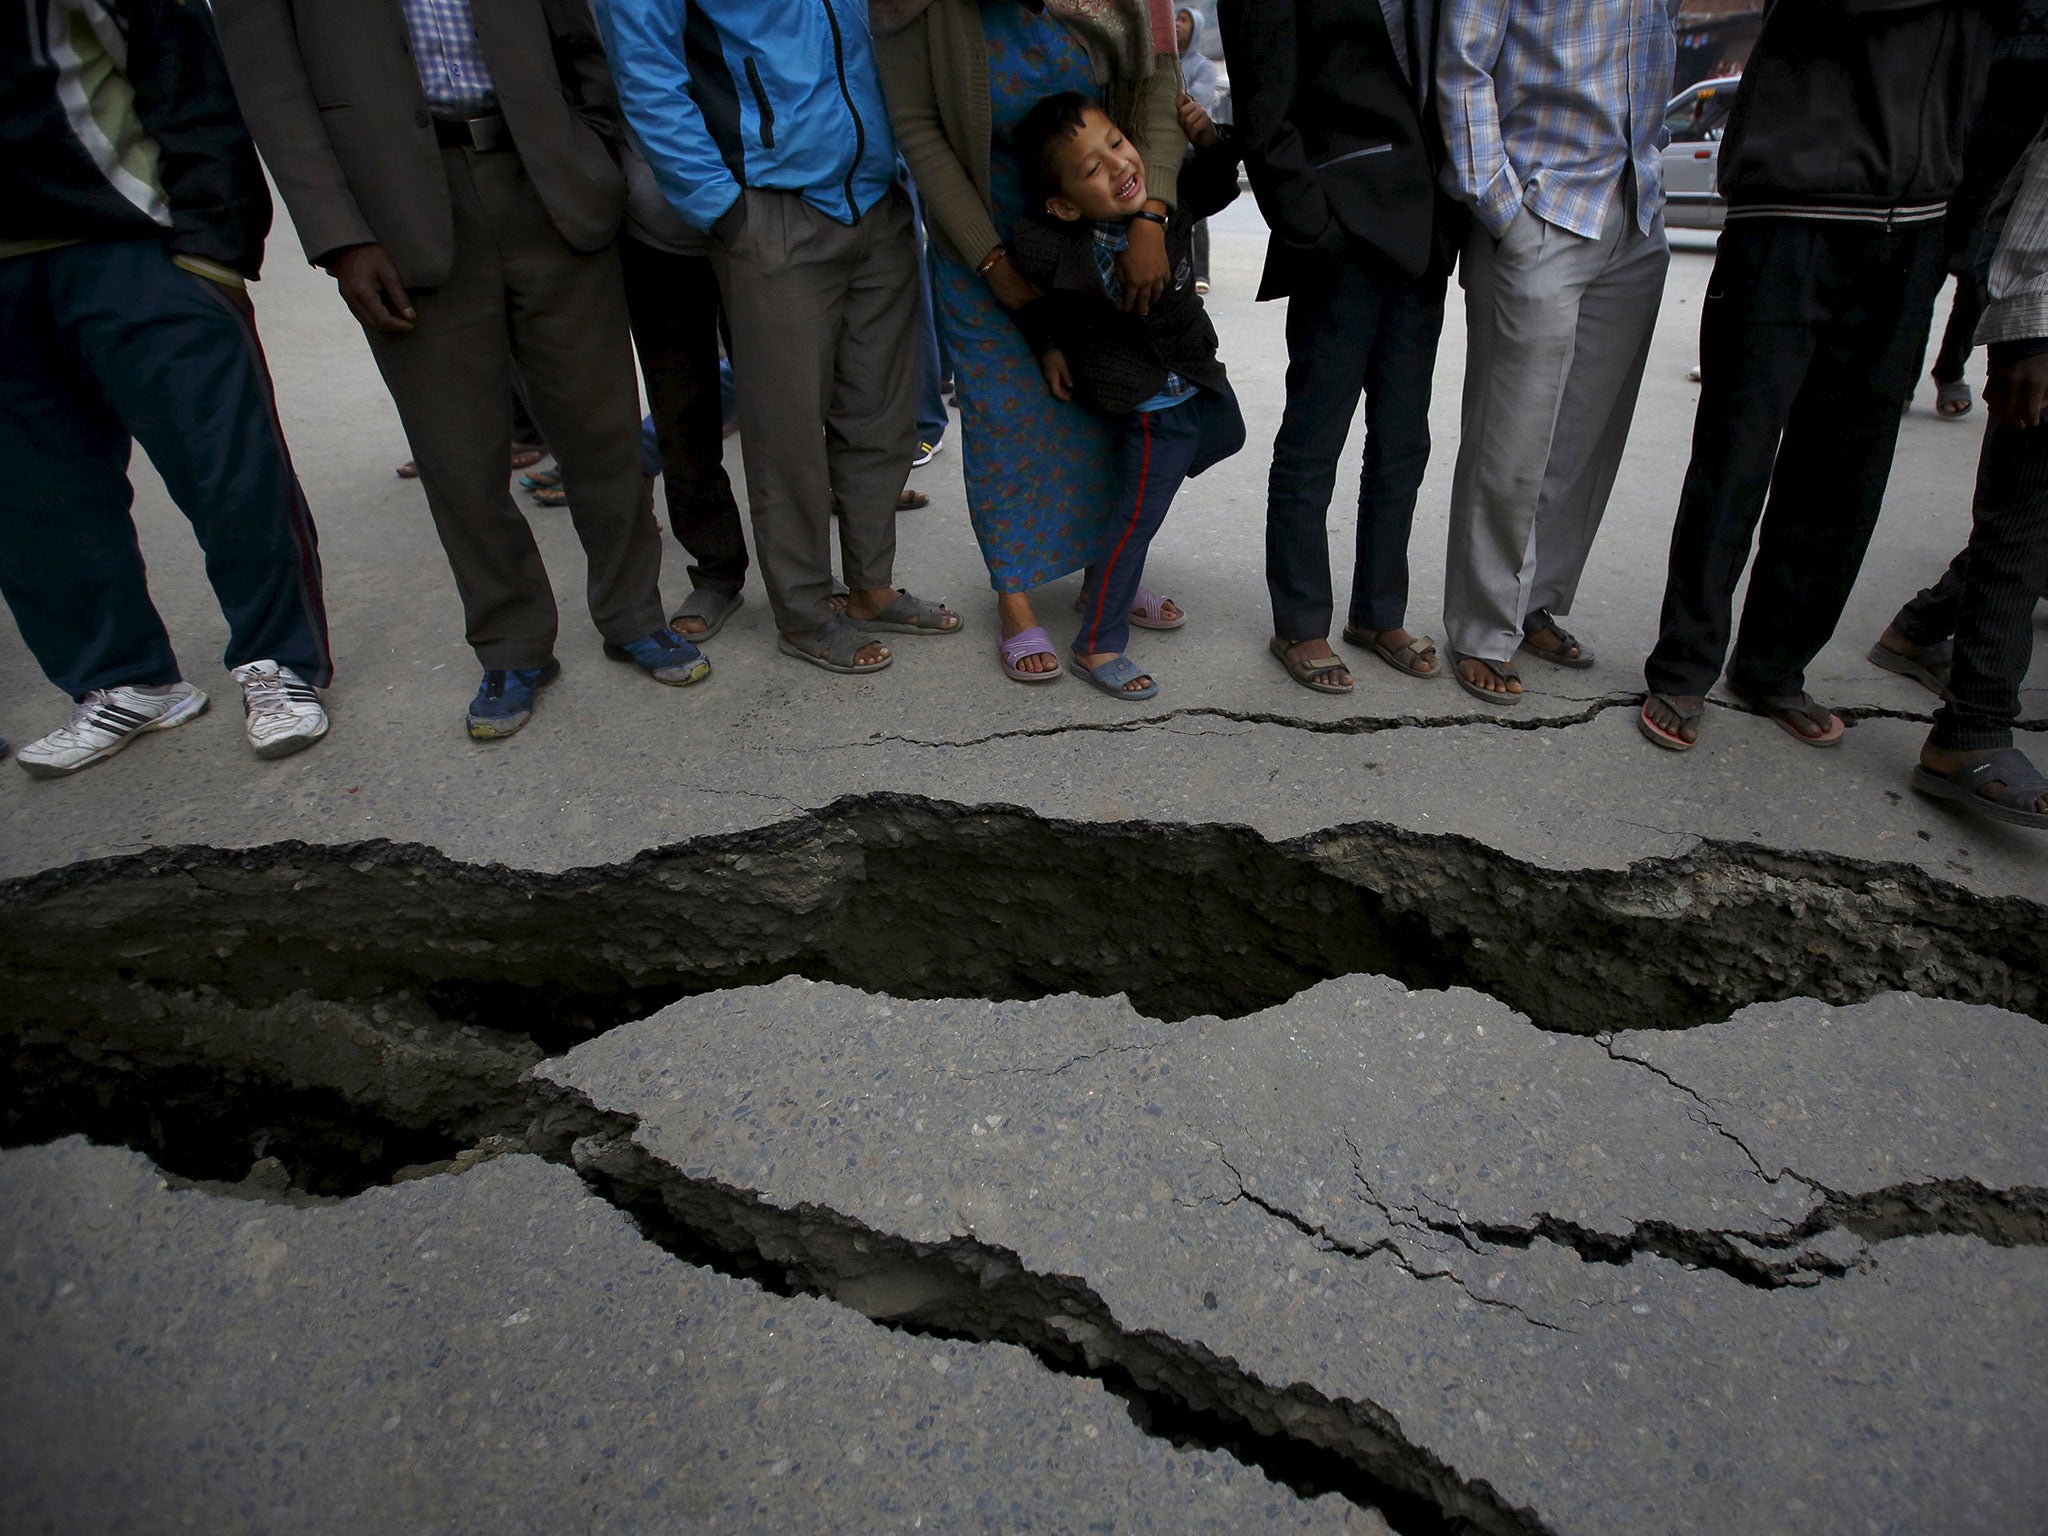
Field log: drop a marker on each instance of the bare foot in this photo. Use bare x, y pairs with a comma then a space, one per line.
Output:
1013, 610
1316, 650
1949, 761
1667, 719
1483, 676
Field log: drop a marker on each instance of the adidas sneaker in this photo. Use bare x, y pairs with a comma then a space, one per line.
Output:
282, 710
105, 721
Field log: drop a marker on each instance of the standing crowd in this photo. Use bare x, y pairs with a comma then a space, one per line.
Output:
533, 189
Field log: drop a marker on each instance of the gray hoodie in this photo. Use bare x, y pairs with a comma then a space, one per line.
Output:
1197, 73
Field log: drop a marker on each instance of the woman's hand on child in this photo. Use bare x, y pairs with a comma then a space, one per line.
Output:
1199, 127
1013, 289
1143, 268
1059, 378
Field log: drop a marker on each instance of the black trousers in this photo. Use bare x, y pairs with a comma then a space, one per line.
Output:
674, 304
1997, 579
1810, 337
1363, 329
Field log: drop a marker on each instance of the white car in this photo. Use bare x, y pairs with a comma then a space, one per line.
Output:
1697, 117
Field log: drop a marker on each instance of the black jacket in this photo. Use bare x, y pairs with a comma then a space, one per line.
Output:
208, 199
1857, 110
1119, 359
1343, 148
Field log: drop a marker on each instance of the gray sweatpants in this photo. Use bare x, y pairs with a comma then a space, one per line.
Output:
823, 319
1557, 332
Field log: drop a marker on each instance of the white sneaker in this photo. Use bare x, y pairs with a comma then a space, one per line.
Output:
105, 721
283, 709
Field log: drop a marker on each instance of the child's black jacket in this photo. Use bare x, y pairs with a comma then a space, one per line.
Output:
1119, 359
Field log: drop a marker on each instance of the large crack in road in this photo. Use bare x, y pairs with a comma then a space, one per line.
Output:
289, 1022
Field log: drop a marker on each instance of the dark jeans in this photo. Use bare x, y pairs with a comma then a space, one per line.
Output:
1809, 338
1156, 451
674, 304
1361, 329
2002, 572
109, 344
932, 419
1198, 249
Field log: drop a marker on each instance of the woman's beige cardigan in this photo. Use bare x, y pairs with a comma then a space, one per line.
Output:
935, 76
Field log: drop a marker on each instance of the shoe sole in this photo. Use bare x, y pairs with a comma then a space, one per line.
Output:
498, 730
190, 710
696, 674
285, 746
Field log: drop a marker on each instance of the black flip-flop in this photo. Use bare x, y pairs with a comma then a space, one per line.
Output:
1569, 652
2009, 766
1928, 666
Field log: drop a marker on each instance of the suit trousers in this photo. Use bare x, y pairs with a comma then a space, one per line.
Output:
674, 303
1353, 326
519, 292
824, 331
1558, 331
2003, 571
1809, 339
104, 345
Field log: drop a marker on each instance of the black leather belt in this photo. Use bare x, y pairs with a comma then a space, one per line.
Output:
482, 134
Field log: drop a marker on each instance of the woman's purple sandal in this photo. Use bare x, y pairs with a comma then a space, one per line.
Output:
1029, 642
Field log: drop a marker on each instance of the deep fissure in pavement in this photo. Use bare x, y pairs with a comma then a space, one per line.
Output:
301, 1021
328, 982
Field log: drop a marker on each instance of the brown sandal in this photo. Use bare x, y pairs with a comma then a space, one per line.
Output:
1310, 671
1408, 659
1783, 708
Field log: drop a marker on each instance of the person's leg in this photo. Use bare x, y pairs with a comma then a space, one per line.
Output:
451, 378
674, 305
572, 341
1155, 450
1972, 296
1521, 309
1836, 455
2006, 571
70, 568
1331, 333
1617, 316
1400, 368
1755, 344
871, 402
1199, 242
784, 279
931, 395
177, 359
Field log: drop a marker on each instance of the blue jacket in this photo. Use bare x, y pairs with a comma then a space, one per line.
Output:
725, 94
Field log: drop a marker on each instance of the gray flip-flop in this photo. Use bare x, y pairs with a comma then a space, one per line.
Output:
903, 616
832, 645
1501, 670
710, 605
1928, 666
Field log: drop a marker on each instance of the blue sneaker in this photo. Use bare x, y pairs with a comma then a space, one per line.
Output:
505, 701
664, 656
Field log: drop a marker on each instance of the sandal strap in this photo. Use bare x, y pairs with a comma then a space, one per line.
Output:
1028, 642
906, 609
1676, 708
837, 640
2024, 783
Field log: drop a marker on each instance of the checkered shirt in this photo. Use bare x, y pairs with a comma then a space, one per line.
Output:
1547, 102
453, 73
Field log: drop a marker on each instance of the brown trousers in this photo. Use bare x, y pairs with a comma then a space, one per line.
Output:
823, 319
519, 290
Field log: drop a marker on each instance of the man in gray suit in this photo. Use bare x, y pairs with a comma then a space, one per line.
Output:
449, 168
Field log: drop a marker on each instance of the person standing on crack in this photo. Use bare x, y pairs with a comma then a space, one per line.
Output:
1335, 106
764, 126
135, 218
447, 164
1553, 115
1843, 147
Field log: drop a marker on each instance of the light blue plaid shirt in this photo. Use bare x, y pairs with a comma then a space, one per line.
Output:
445, 51
1546, 102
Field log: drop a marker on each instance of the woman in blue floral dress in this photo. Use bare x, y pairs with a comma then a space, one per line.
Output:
959, 74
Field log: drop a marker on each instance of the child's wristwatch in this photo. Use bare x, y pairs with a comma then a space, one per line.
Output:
1150, 217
